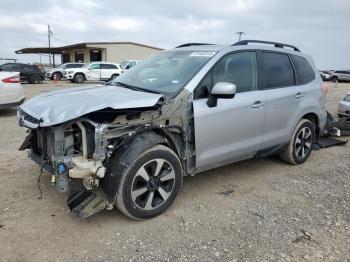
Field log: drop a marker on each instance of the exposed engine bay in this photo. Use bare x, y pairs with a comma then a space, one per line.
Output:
78, 152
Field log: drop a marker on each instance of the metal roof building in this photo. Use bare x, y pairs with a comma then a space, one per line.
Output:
96, 51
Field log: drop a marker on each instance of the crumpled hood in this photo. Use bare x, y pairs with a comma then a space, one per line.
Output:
60, 106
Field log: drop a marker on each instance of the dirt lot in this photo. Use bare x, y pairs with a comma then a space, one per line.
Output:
256, 210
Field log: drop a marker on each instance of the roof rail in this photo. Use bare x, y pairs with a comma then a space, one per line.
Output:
191, 44
279, 45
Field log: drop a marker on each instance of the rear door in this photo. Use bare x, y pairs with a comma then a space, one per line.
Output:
233, 129
282, 94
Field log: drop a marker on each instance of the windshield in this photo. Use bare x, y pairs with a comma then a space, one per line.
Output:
123, 64
166, 72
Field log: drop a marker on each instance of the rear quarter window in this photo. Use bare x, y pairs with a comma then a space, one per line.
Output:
304, 69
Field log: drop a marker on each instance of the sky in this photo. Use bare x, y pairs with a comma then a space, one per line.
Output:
320, 28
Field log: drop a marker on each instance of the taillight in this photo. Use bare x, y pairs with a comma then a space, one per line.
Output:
12, 79
324, 89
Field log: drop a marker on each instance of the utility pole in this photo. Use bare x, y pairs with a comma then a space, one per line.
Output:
240, 33
49, 37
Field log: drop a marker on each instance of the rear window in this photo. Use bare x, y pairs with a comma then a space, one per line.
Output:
277, 70
304, 69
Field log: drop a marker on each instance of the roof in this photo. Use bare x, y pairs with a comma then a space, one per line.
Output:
58, 50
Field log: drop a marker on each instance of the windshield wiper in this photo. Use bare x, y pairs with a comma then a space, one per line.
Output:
135, 88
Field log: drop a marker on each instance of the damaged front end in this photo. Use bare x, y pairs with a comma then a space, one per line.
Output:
67, 151
77, 152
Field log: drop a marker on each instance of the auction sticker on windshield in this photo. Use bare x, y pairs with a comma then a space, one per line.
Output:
202, 54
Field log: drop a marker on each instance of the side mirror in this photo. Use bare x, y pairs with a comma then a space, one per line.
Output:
221, 90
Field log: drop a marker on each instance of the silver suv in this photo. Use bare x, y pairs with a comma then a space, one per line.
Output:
179, 112
343, 75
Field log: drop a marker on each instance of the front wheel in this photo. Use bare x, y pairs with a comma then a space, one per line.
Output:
300, 146
150, 184
78, 78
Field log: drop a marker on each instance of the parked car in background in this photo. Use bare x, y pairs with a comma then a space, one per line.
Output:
340, 75
98, 71
179, 112
58, 72
127, 64
29, 73
344, 106
325, 75
11, 91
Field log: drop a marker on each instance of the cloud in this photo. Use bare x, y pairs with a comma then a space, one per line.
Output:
319, 28
127, 24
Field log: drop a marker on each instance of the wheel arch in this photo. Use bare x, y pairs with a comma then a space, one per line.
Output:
57, 72
80, 73
124, 155
314, 119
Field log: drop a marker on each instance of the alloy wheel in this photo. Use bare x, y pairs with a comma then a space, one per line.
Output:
153, 184
303, 142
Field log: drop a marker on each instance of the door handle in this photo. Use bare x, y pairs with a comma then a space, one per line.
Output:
257, 105
299, 95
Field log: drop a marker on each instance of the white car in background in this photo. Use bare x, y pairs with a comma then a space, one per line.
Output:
98, 71
57, 72
11, 91
127, 64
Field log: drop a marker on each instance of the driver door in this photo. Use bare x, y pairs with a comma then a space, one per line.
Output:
233, 129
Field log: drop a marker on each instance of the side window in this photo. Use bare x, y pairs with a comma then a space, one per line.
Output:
277, 71
236, 68
7, 67
95, 66
108, 66
304, 70
19, 67
239, 69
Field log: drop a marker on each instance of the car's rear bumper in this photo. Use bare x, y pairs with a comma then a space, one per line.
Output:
12, 104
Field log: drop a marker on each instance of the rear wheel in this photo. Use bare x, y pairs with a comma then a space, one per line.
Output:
335, 79
35, 79
114, 76
79, 78
300, 146
150, 184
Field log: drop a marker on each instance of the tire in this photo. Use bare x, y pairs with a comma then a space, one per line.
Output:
35, 79
144, 194
114, 76
79, 78
300, 146
56, 75
335, 79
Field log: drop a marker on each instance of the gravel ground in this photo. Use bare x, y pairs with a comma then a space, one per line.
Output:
256, 210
